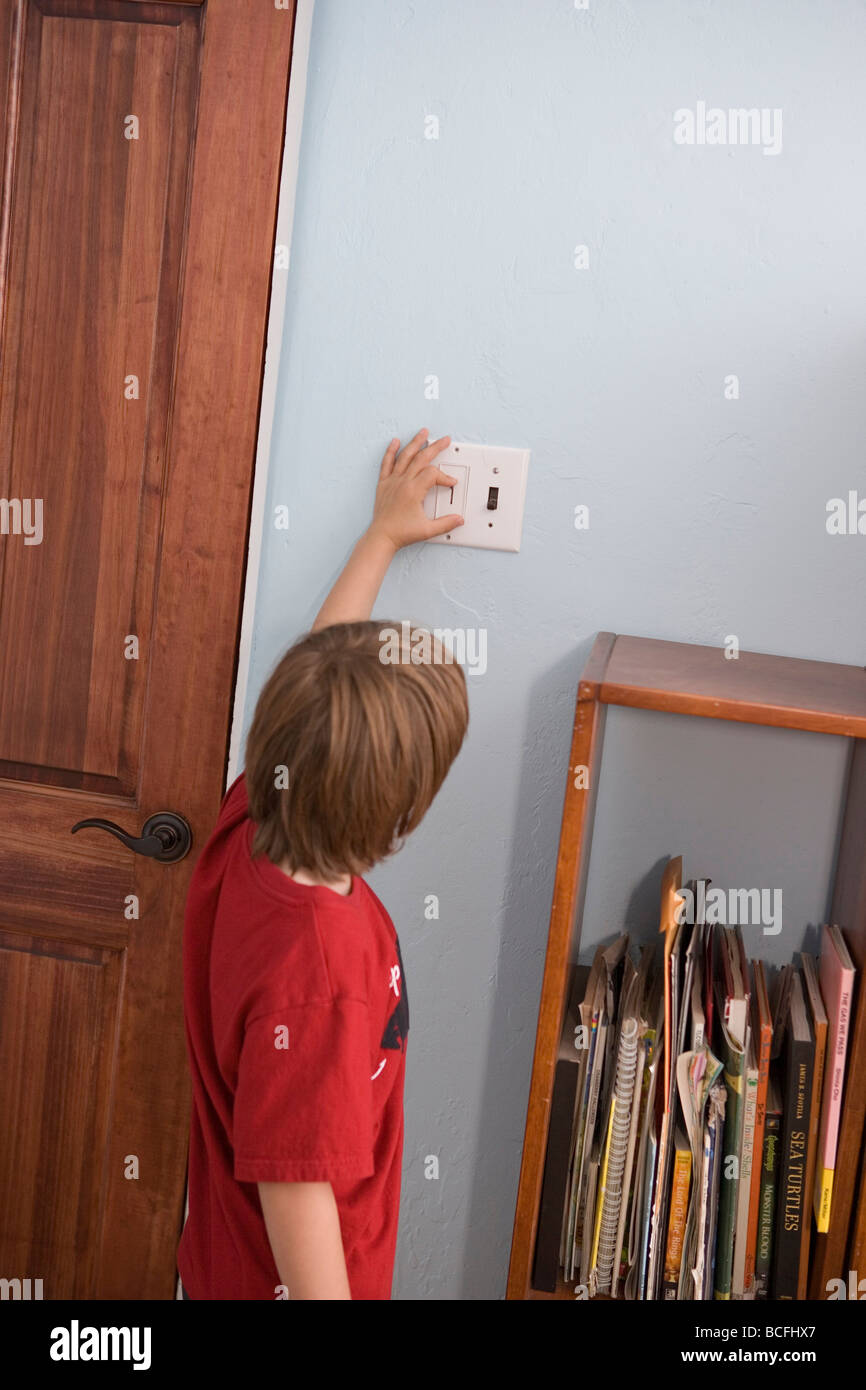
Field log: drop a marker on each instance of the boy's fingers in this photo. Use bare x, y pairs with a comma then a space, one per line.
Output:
412, 448
444, 479
430, 476
426, 456
388, 458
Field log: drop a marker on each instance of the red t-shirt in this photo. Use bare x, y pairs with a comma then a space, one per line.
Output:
296, 1020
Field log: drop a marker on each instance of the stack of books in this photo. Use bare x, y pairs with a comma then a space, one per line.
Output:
695, 1114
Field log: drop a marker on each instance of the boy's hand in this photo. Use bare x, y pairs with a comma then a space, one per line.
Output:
404, 480
398, 519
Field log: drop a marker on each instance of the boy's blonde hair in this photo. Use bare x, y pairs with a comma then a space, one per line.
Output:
348, 746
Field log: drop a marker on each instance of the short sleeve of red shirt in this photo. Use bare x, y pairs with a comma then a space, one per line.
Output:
303, 1109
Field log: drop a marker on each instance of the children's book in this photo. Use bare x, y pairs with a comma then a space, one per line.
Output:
792, 1207
734, 1058
762, 1029
818, 1020
769, 1182
836, 975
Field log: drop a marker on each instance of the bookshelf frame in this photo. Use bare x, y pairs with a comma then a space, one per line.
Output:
755, 688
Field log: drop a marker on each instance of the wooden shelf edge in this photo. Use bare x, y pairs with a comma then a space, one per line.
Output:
737, 712
755, 687
593, 674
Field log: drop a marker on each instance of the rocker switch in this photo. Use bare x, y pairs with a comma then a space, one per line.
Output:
452, 499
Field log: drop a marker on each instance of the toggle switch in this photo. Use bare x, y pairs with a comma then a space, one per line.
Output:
492, 498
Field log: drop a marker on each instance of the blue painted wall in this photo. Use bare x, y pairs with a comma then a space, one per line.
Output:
455, 258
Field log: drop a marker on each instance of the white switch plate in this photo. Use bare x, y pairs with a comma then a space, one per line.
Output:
478, 468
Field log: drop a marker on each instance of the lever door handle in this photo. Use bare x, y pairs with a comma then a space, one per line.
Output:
165, 836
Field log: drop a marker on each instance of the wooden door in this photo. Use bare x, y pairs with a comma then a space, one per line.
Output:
140, 146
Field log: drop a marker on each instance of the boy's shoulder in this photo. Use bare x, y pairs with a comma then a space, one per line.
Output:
276, 943
265, 954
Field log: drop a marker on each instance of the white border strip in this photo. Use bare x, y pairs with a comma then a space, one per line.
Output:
276, 321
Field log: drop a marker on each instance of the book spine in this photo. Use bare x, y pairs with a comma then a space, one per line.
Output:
621, 1110
757, 1156
767, 1204
839, 1052
832, 1106
747, 1165
658, 1227
620, 1253
677, 1222
716, 1160
729, 1185
701, 1274
820, 1032
791, 1201
583, 1218
823, 1198
599, 1208
649, 1192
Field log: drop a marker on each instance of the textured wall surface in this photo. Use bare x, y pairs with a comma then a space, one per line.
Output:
455, 257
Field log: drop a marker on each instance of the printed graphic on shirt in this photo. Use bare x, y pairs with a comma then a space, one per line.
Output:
398, 1024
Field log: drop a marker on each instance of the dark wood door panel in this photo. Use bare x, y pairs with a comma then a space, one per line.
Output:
59, 1010
90, 335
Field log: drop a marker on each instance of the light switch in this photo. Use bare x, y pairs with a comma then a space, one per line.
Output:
489, 494
452, 499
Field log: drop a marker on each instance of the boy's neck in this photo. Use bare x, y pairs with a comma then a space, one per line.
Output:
342, 885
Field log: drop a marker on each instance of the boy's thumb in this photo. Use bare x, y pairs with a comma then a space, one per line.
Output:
446, 523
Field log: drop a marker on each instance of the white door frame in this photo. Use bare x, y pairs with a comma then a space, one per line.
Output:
276, 322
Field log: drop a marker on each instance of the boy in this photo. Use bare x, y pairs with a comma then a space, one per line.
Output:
295, 1003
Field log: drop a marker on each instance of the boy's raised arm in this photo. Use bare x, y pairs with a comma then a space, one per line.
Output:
398, 519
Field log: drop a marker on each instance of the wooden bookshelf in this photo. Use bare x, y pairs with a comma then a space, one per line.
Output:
681, 678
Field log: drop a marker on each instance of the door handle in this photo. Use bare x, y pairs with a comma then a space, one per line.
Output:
165, 836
